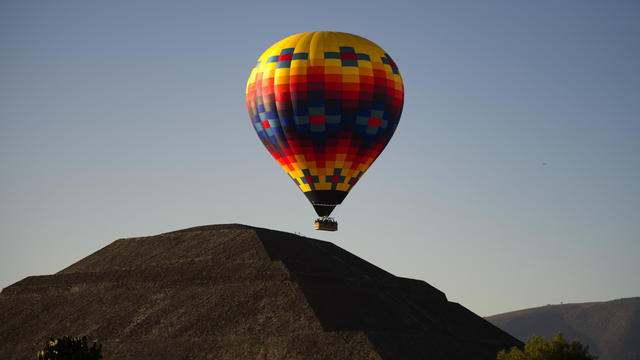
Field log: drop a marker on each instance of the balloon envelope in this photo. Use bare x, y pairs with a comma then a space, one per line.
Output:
325, 105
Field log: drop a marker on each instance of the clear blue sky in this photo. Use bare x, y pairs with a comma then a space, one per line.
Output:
512, 181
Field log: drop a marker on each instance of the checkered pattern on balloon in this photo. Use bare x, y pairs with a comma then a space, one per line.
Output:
325, 105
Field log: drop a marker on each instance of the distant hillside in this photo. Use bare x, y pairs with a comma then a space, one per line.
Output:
233, 292
611, 329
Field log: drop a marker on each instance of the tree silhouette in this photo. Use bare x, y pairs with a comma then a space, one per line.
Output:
538, 348
68, 348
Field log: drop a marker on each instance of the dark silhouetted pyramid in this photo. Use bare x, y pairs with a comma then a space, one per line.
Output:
238, 292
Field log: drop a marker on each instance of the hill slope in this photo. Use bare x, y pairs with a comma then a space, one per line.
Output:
238, 292
611, 329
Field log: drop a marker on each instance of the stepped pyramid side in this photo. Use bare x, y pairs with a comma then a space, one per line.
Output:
238, 292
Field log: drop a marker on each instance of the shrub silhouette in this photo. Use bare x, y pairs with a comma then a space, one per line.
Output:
68, 348
537, 348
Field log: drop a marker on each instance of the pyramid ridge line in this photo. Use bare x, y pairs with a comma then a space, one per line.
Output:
227, 226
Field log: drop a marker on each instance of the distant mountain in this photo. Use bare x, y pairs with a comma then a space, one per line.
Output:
234, 292
611, 328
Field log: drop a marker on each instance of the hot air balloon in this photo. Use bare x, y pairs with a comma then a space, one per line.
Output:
325, 104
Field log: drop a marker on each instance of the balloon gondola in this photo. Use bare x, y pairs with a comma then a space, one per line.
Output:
326, 223
325, 104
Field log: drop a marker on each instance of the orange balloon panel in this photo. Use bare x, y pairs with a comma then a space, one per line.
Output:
325, 105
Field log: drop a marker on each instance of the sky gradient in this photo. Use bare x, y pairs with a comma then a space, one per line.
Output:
512, 180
